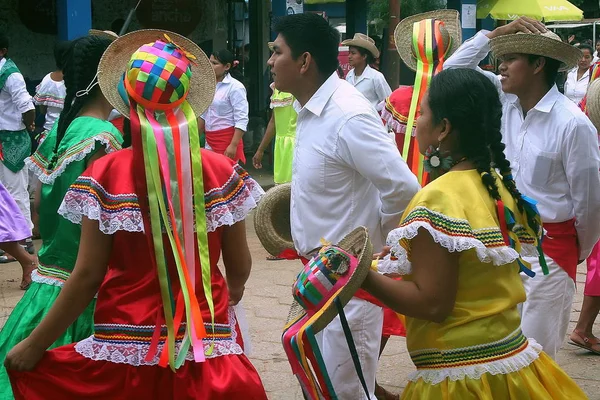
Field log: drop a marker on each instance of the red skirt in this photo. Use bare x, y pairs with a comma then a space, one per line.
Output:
221, 139
65, 374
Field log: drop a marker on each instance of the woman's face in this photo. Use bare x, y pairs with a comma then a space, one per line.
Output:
586, 60
428, 132
356, 59
220, 69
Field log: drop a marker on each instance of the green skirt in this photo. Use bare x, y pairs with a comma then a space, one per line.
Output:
28, 313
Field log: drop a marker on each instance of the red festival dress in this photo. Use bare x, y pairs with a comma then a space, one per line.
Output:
114, 363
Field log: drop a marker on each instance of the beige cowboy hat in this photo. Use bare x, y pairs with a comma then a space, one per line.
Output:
547, 44
451, 33
272, 220
104, 34
593, 103
363, 41
270, 45
115, 61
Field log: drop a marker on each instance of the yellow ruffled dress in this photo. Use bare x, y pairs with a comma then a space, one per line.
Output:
479, 351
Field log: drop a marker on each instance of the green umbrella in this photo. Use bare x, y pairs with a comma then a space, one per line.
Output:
542, 10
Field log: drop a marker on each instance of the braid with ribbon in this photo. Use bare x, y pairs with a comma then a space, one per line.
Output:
430, 51
167, 151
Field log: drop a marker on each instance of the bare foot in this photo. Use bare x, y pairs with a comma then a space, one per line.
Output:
27, 270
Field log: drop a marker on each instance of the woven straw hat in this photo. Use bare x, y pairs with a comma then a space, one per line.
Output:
593, 103
363, 41
116, 58
547, 44
403, 34
105, 34
272, 220
357, 244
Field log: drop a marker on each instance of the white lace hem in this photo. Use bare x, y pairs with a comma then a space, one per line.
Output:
497, 256
39, 278
135, 353
499, 367
393, 123
49, 179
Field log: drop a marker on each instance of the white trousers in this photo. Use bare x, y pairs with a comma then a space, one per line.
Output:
546, 313
366, 323
17, 185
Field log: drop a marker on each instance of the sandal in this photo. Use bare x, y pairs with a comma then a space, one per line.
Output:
587, 343
274, 258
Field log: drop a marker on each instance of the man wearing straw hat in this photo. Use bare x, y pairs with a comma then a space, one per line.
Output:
346, 172
553, 150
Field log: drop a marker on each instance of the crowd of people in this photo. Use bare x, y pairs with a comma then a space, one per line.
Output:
480, 193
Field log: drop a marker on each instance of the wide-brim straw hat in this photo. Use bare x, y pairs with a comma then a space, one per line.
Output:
547, 44
593, 103
358, 244
403, 35
115, 60
363, 41
103, 34
272, 220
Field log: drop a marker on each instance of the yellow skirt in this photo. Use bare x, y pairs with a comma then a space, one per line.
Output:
542, 379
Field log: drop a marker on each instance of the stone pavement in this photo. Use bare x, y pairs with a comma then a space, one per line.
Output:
267, 300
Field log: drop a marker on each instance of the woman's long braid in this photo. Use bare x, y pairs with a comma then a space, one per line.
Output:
79, 71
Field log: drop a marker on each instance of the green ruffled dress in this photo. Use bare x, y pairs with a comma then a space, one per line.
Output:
60, 238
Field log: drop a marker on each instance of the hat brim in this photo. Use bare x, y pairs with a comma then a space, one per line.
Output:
370, 47
358, 244
593, 103
539, 45
115, 60
403, 33
272, 220
103, 34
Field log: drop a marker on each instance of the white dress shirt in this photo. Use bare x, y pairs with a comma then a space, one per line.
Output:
553, 151
371, 83
346, 172
575, 89
229, 107
14, 102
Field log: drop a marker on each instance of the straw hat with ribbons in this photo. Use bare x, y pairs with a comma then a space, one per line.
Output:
162, 81
547, 44
322, 289
363, 41
593, 103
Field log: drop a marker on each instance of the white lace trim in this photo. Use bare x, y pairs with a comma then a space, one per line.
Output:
49, 179
393, 123
500, 367
39, 278
497, 256
135, 353
76, 204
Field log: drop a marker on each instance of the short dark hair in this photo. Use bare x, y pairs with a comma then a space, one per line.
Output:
585, 46
365, 52
311, 33
4, 42
550, 68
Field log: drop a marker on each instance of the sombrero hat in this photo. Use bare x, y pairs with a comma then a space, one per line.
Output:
116, 60
451, 34
363, 41
272, 220
593, 103
105, 34
547, 44
322, 289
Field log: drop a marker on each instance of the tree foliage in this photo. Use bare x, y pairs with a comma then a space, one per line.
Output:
379, 9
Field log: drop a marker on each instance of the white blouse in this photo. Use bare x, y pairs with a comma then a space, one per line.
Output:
372, 84
229, 107
575, 89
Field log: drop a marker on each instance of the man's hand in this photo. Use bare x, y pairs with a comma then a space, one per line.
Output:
522, 24
29, 120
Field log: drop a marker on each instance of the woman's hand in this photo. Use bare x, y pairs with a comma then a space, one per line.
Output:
231, 151
24, 356
384, 252
257, 159
235, 295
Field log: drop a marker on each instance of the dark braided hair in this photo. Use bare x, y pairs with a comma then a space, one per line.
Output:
81, 64
471, 103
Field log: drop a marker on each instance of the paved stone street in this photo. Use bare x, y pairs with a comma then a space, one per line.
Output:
267, 301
